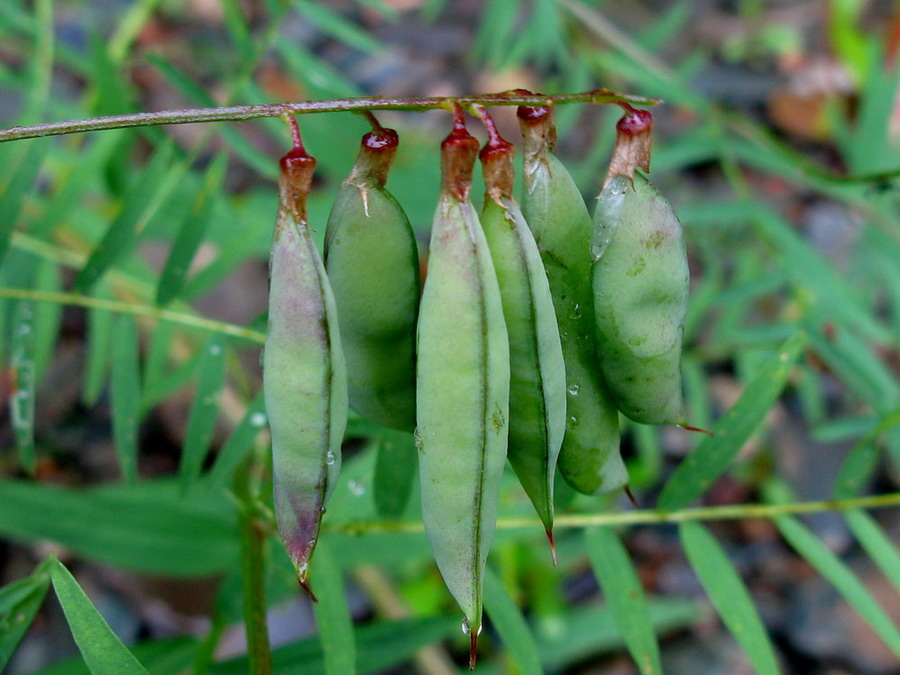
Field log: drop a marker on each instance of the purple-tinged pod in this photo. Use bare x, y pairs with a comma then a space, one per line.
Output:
305, 378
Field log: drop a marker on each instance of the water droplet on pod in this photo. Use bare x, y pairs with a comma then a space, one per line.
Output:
574, 389
330, 458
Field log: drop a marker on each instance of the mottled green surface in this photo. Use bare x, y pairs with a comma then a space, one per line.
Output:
640, 278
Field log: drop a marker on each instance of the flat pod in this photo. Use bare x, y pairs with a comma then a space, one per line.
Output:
372, 263
304, 384
463, 389
555, 211
537, 371
640, 279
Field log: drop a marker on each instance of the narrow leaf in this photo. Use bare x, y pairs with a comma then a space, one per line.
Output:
862, 460
126, 394
729, 595
333, 614
205, 411
839, 575
713, 454
99, 342
191, 234
148, 191
19, 604
47, 316
623, 592
330, 22
395, 472
876, 543
22, 370
511, 625
102, 650
20, 176
239, 443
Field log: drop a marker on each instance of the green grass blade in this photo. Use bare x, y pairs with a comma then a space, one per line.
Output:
511, 625
145, 528
331, 23
395, 472
103, 652
147, 193
19, 604
729, 595
125, 390
99, 343
238, 444
205, 411
623, 592
332, 614
22, 390
47, 317
839, 575
713, 454
191, 234
862, 460
20, 172
876, 543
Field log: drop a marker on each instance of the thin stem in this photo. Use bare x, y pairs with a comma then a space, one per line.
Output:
241, 113
647, 517
135, 309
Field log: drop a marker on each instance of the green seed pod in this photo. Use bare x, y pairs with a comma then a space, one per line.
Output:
537, 394
463, 386
556, 213
373, 266
305, 380
640, 278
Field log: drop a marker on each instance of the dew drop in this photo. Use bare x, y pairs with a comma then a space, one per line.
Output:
576, 312
573, 422
574, 389
330, 458
215, 350
357, 489
258, 420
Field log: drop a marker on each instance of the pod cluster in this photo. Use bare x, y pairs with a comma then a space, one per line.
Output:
536, 327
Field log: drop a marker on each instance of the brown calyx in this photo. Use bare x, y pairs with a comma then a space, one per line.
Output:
458, 152
497, 161
634, 143
297, 168
538, 129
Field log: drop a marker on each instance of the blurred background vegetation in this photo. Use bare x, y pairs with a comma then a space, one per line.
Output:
133, 292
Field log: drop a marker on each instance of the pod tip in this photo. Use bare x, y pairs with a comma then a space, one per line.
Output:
303, 578
634, 502
473, 649
688, 427
552, 547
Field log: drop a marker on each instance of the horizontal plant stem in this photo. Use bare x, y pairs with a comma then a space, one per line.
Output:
241, 113
136, 309
646, 517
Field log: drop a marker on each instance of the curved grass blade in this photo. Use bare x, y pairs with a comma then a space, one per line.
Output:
125, 390
333, 615
205, 411
860, 463
99, 343
625, 596
839, 575
713, 454
19, 604
729, 595
395, 472
191, 234
238, 444
511, 625
22, 386
876, 543
148, 192
103, 652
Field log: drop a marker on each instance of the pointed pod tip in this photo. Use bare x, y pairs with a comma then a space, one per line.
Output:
303, 578
553, 555
473, 649
698, 430
634, 502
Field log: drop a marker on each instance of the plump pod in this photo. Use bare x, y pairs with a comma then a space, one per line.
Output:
556, 213
537, 394
373, 266
463, 386
640, 280
305, 381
